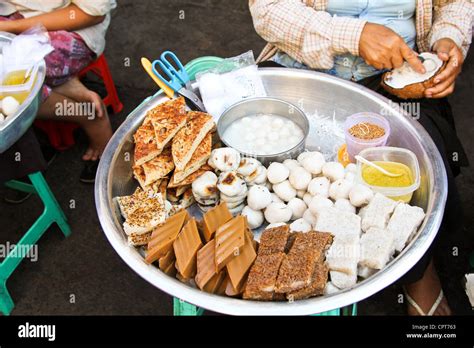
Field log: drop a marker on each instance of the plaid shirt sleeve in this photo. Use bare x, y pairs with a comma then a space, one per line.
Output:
453, 20
309, 36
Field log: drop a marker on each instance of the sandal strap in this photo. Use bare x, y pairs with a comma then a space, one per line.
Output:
420, 311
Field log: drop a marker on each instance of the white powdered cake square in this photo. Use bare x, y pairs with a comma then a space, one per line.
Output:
342, 280
376, 246
403, 224
340, 224
377, 212
343, 255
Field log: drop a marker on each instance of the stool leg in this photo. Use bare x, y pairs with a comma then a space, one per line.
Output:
52, 207
184, 309
112, 97
6, 302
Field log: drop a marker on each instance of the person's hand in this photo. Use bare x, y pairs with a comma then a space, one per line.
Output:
384, 49
447, 51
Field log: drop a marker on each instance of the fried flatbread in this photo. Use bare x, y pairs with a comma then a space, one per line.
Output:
145, 144
158, 167
190, 179
190, 136
198, 159
167, 119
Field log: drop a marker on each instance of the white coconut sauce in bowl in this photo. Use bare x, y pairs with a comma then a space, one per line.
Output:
263, 134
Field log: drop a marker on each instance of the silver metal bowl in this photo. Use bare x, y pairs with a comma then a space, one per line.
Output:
313, 91
266, 105
16, 125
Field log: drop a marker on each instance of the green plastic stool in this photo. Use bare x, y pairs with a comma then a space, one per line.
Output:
52, 213
184, 309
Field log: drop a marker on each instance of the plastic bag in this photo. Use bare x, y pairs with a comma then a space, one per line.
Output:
229, 82
26, 50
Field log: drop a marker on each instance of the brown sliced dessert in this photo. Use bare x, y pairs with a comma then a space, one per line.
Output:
262, 277
274, 240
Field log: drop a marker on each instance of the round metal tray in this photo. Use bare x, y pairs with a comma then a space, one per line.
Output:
316, 91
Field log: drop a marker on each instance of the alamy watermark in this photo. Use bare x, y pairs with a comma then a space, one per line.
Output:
84, 109
411, 109
22, 251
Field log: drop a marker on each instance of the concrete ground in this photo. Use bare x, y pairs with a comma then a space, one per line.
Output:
82, 274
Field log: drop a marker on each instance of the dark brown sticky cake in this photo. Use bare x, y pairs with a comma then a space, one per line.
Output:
274, 240
318, 242
316, 288
296, 271
262, 277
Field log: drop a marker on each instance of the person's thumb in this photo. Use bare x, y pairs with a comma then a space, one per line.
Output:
442, 48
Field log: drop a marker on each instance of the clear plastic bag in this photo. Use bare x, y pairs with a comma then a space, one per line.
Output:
230, 81
26, 50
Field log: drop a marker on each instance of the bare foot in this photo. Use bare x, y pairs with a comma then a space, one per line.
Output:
99, 133
425, 292
76, 90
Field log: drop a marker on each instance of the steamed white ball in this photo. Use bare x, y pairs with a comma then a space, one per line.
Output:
300, 225
340, 189
278, 212
277, 172
319, 202
314, 162
259, 197
300, 178
285, 191
298, 207
255, 218
333, 171
319, 186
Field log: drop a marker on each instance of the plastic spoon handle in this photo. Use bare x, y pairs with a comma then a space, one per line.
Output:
380, 169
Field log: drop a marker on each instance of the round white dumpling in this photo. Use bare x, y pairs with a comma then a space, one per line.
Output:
248, 165
319, 186
259, 197
314, 162
225, 159
302, 156
285, 191
205, 185
333, 171
298, 207
360, 195
319, 202
230, 184
340, 189
254, 217
278, 212
300, 225
300, 178
277, 173
344, 204
309, 217
291, 164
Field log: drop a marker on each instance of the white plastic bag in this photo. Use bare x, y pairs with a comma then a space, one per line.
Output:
231, 81
26, 50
